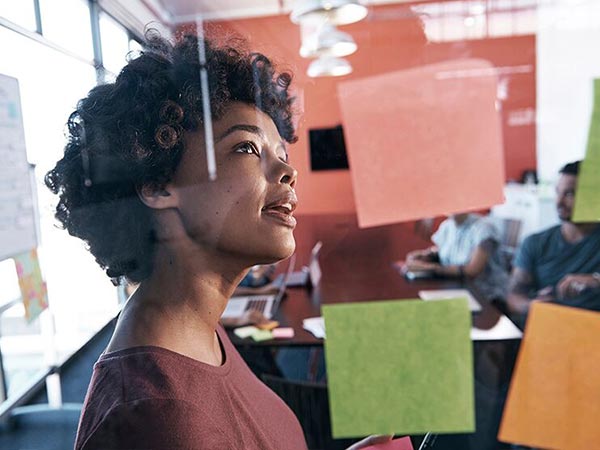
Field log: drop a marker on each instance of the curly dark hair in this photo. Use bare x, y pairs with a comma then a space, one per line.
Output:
129, 133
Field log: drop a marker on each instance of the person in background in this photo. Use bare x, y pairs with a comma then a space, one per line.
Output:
562, 263
134, 185
466, 246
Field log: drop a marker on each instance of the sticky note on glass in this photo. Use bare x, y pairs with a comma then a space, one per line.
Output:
403, 443
33, 287
423, 142
587, 198
554, 396
399, 367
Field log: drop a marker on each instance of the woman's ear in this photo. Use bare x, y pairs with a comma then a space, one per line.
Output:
157, 196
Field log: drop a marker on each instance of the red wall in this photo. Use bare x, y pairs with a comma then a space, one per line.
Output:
389, 39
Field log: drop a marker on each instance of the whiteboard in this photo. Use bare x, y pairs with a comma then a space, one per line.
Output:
18, 207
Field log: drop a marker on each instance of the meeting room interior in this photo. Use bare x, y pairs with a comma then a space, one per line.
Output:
387, 208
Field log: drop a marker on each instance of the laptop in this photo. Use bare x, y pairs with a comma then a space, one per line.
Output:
265, 303
447, 294
309, 274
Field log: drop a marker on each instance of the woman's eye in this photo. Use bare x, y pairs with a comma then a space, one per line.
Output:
249, 148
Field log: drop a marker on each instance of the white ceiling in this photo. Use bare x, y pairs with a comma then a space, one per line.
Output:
185, 11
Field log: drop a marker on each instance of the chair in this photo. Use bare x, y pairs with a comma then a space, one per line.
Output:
310, 402
510, 230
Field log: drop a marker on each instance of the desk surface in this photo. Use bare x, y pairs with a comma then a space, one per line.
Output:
357, 266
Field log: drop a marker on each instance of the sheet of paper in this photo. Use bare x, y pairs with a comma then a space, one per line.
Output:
554, 396
33, 287
423, 142
503, 330
399, 367
403, 443
18, 208
448, 294
315, 325
587, 198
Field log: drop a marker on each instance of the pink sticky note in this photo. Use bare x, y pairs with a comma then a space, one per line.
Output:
403, 443
424, 142
283, 333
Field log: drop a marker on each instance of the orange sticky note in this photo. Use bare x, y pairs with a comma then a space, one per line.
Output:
554, 396
424, 142
270, 325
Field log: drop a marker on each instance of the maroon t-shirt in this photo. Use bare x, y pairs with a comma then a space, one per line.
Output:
153, 398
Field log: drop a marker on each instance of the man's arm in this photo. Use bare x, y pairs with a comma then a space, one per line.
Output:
520, 285
573, 284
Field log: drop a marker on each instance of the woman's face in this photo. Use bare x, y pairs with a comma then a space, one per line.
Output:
247, 211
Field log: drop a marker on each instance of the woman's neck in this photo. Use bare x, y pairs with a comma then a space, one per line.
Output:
179, 306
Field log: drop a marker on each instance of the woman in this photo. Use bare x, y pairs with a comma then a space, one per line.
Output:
466, 245
133, 184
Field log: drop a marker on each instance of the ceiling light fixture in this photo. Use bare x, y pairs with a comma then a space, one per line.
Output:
336, 12
329, 41
329, 66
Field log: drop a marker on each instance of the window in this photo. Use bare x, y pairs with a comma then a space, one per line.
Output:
115, 44
21, 12
68, 24
80, 295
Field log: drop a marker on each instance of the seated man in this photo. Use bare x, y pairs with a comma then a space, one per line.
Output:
561, 264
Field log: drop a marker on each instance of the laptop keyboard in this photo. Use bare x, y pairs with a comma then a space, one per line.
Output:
258, 304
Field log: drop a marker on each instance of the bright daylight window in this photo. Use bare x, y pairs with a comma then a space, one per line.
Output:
21, 12
68, 24
81, 297
115, 44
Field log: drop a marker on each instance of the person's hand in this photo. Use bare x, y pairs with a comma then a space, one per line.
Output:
544, 295
417, 266
371, 440
251, 317
574, 284
423, 255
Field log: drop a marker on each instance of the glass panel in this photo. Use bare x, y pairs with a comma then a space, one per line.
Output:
67, 23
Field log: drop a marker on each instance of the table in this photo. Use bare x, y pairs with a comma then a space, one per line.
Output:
357, 266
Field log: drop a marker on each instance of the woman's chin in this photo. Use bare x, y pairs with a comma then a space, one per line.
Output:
279, 253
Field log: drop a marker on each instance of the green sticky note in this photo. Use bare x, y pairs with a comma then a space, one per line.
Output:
399, 367
262, 335
587, 198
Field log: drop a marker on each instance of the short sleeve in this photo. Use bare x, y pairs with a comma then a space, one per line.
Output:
155, 425
485, 232
440, 237
525, 255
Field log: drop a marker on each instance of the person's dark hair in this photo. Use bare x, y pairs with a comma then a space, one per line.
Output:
129, 133
571, 168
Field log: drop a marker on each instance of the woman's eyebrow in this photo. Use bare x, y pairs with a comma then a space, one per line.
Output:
243, 127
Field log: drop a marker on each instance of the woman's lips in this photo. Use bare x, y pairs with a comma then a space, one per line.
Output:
280, 215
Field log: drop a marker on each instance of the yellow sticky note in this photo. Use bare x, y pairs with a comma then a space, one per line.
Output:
554, 396
33, 287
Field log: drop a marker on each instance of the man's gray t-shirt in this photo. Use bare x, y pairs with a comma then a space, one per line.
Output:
548, 257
